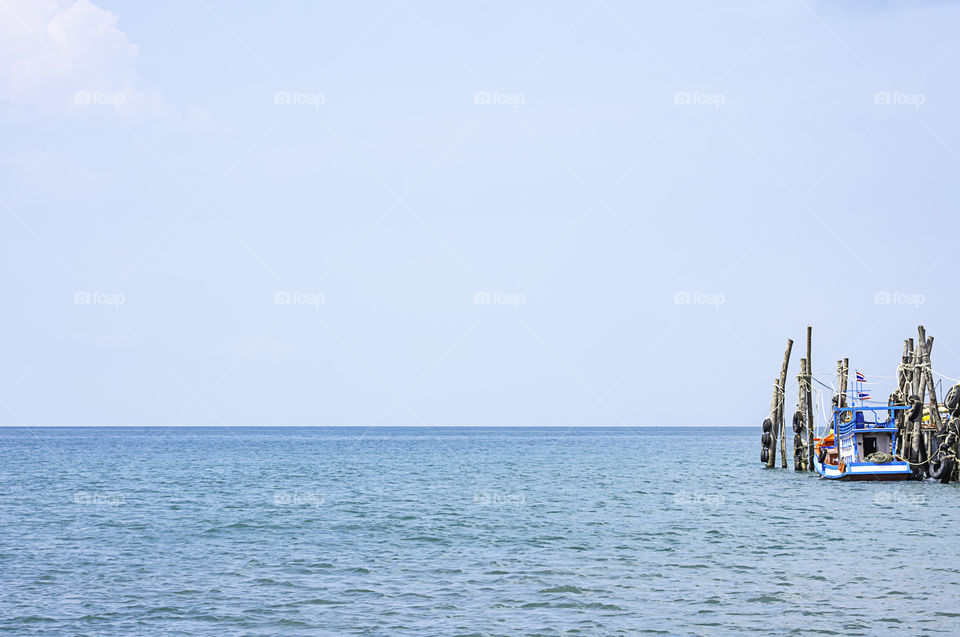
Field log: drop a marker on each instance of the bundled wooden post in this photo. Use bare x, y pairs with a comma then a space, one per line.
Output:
931, 385
916, 436
935, 418
808, 417
921, 349
772, 447
782, 385
927, 370
914, 371
899, 397
910, 389
800, 433
781, 436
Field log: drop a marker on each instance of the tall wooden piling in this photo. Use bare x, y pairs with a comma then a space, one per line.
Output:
899, 396
772, 447
931, 386
914, 371
800, 435
911, 387
935, 419
782, 385
932, 393
902, 367
808, 416
917, 457
921, 352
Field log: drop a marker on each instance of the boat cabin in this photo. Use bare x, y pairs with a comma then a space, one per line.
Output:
862, 433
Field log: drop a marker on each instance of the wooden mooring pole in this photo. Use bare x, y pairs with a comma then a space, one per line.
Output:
769, 442
914, 372
769, 439
918, 448
799, 418
781, 404
911, 387
924, 444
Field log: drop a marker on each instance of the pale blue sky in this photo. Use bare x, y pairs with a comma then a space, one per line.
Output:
145, 159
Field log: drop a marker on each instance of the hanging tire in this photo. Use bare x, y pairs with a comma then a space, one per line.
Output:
767, 425
942, 469
766, 439
916, 408
764, 455
952, 401
822, 455
798, 422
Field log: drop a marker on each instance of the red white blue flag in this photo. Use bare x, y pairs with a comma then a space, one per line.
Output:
860, 378
863, 395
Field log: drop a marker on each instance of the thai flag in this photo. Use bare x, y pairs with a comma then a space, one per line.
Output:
863, 396
860, 378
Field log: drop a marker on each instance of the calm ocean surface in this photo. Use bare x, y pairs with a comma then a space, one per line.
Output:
463, 531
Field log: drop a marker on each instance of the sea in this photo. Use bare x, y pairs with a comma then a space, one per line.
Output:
458, 531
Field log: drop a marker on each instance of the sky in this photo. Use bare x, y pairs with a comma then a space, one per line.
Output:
432, 213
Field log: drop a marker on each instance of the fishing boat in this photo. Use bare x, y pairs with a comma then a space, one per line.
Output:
861, 444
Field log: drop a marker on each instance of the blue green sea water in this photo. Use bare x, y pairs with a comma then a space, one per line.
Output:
457, 531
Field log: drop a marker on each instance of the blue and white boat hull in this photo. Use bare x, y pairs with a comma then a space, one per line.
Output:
864, 471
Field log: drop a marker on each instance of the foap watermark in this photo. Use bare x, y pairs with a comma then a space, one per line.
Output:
697, 98
695, 498
898, 98
898, 298
699, 298
112, 299
888, 497
98, 499
296, 98
286, 498
485, 498
498, 298
97, 98
496, 98
299, 298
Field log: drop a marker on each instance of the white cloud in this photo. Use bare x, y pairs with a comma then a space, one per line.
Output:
69, 57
